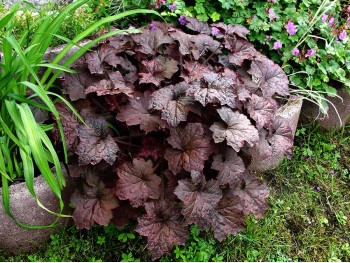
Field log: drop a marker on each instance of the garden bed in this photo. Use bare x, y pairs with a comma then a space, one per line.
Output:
161, 111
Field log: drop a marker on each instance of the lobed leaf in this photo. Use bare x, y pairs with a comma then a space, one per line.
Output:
190, 148
200, 199
93, 204
236, 129
137, 182
136, 113
163, 226
173, 103
95, 142
270, 76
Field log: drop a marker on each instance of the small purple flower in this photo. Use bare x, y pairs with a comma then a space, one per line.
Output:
295, 51
272, 14
348, 19
331, 171
293, 97
324, 18
277, 45
163, 2
318, 188
182, 20
291, 28
331, 21
152, 27
310, 52
348, 9
215, 31
342, 35
273, 1
172, 6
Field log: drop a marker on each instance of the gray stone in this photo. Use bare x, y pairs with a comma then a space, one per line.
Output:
52, 52
15, 239
310, 112
291, 112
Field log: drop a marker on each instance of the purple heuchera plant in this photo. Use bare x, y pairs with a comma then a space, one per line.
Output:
187, 127
291, 28
277, 45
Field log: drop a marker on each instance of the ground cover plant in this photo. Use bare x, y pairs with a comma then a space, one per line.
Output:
312, 46
307, 219
173, 116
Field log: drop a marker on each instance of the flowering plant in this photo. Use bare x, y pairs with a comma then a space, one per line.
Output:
305, 37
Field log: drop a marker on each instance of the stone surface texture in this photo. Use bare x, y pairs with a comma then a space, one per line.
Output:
310, 112
291, 112
52, 52
15, 239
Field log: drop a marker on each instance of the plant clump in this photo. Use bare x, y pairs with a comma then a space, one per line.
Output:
172, 119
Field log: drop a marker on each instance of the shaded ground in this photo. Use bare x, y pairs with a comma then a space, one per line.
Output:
308, 219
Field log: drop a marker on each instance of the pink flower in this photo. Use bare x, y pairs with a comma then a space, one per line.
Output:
342, 35
163, 2
152, 27
310, 52
331, 21
182, 20
295, 51
291, 28
215, 31
324, 18
277, 45
172, 6
348, 9
348, 19
272, 14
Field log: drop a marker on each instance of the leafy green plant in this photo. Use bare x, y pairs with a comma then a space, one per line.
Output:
200, 247
25, 146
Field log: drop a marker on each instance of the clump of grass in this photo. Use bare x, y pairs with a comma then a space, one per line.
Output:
25, 20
